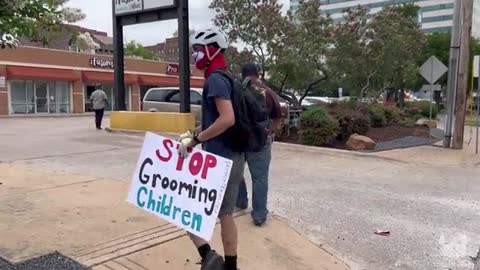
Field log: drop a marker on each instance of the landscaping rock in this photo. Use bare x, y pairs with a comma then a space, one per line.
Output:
359, 142
428, 123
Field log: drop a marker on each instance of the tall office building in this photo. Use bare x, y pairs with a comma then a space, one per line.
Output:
476, 19
434, 15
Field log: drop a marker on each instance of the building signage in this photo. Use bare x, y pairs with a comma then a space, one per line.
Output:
101, 63
137, 6
173, 69
157, 4
3, 82
128, 6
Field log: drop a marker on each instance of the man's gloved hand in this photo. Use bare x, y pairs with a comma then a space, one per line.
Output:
187, 140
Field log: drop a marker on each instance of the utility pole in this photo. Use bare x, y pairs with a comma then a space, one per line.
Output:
463, 78
453, 71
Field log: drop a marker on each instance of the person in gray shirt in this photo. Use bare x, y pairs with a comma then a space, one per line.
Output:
99, 100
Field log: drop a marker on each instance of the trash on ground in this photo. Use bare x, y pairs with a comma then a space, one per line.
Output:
382, 233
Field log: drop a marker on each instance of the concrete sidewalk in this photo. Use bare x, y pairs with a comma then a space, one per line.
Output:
426, 196
88, 220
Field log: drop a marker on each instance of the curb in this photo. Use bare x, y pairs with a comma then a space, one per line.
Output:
333, 152
34, 116
287, 146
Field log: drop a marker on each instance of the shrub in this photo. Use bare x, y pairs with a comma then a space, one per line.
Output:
412, 112
423, 108
317, 127
408, 122
350, 121
392, 114
377, 115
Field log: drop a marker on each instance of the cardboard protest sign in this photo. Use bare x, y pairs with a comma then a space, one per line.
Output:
185, 192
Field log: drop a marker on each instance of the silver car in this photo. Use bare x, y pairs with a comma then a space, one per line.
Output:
167, 99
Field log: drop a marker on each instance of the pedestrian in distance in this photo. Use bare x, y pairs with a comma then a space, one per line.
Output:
259, 161
218, 117
99, 101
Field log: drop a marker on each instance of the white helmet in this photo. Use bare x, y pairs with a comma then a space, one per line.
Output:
210, 36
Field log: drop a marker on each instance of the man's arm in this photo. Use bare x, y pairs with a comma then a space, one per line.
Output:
105, 98
225, 120
275, 110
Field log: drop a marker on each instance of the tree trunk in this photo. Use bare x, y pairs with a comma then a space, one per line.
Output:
292, 99
402, 98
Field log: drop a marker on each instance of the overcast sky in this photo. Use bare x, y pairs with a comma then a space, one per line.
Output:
99, 18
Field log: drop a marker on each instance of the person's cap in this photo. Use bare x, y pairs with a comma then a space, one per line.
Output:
249, 70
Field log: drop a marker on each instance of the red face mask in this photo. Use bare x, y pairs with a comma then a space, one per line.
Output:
209, 61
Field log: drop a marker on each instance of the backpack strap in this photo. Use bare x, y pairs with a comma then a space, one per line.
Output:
226, 74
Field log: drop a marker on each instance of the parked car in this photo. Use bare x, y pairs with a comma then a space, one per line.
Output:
167, 99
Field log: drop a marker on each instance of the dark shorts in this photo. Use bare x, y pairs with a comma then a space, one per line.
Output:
231, 193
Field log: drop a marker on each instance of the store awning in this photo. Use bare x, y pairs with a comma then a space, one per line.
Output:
91, 76
158, 80
163, 81
198, 83
34, 73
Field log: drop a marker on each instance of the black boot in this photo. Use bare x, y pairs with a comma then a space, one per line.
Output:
212, 261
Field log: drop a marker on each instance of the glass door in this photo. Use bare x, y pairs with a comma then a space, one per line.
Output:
41, 97
59, 94
108, 89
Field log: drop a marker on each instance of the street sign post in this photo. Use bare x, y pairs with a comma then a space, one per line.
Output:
476, 71
128, 12
432, 70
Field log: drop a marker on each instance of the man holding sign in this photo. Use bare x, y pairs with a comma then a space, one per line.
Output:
217, 117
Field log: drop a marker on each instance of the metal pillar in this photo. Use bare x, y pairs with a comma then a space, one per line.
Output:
184, 45
119, 67
477, 119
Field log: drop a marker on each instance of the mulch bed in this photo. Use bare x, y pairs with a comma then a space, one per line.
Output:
379, 135
396, 132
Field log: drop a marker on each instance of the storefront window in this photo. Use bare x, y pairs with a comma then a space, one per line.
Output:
29, 97
59, 97
41, 94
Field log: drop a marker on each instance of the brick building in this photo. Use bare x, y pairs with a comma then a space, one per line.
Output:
47, 81
168, 50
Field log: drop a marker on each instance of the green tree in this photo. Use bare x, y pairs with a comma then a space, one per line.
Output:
375, 55
236, 59
300, 57
33, 19
353, 63
257, 24
135, 49
408, 10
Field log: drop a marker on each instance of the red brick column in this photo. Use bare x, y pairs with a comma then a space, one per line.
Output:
135, 97
3, 91
78, 99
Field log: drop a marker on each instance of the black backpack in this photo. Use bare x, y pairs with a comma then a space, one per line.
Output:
252, 122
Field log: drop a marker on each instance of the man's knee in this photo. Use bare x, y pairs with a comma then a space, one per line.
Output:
227, 222
228, 225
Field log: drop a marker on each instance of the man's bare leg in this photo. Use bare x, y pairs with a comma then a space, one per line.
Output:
230, 241
229, 235
197, 241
